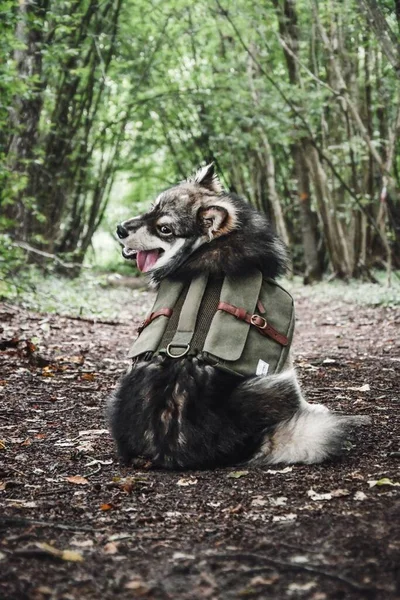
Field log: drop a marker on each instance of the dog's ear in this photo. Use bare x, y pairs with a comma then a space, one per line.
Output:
217, 219
206, 177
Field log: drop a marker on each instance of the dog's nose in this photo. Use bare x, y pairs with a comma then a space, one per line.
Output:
122, 232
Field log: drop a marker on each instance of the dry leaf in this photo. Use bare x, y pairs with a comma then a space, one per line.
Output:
360, 496
106, 506
182, 556
82, 543
68, 555
186, 481
315, 496
258, 580
110, 548
139, 586
2, 445
339, 493
258, 501
288, 517
78, 480
237, 474
285, 470
88, 376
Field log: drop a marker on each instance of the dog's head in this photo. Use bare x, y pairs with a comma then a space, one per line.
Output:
182, 219
196, 226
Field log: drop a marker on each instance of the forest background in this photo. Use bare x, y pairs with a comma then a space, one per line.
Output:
105, 102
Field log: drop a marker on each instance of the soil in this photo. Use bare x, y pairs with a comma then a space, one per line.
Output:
75, 525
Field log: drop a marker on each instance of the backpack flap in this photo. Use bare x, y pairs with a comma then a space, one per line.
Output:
236, 345
227, 336
153, 327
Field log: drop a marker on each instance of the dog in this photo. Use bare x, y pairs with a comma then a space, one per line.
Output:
180, 412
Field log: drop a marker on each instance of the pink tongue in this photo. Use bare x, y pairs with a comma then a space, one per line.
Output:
145, 259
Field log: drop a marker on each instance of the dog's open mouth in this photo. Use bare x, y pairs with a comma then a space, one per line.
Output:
145, 259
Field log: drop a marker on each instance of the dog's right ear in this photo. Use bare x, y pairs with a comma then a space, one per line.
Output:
207, 177
218, 219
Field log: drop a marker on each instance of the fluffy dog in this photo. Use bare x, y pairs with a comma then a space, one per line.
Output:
184, 412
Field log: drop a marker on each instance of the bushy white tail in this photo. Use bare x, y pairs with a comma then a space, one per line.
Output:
311, 435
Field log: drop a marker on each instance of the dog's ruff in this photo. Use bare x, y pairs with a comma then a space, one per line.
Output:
185, 412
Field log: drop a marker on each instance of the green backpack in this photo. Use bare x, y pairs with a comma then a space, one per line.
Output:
243, 325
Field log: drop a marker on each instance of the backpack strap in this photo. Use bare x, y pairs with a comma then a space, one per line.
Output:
260, 323
180, 344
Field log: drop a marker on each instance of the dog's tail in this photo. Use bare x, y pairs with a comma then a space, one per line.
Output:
297, 432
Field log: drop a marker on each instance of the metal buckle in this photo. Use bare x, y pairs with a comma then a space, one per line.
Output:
185, 346
253, 321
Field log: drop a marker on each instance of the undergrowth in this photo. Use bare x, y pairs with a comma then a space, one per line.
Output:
93, 295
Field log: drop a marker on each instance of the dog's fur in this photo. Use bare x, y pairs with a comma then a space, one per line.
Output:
184, 413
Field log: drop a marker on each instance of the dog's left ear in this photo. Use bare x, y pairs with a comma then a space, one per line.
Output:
206, 177
216, 220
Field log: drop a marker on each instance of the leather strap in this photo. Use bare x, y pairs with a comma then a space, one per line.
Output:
260, 323
162, 312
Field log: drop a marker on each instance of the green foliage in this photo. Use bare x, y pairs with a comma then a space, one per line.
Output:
120, 99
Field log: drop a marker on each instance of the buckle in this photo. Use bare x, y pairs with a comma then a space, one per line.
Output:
185, 351
258, 321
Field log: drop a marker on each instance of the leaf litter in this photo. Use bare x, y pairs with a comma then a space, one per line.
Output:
226, 536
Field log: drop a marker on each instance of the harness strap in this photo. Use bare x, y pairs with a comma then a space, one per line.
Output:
166, 312
260, 323
188, 317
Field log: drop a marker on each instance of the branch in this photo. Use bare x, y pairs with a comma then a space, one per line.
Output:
67, 265
303, 121
383, 32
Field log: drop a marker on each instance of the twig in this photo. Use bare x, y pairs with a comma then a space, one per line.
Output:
291, 566
92, 321
21, 522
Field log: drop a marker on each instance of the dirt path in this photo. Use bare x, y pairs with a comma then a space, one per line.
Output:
319, 532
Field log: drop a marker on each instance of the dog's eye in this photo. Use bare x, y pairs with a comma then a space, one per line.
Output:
165, 230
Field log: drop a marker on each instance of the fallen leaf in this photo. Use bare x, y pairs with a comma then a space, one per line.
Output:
68, 555
259, 501
182, 556
78, 480
360, 496
47, 372
383, 481
71, 556
363, 388
279, 501
339, 493
2, 445
258, 580
110, 548
317, 497
82, 543
275, 471
288, 517
237, 474
106, 506
44, 589
184, 481
88, 376
302, 587
139, 586
22, 503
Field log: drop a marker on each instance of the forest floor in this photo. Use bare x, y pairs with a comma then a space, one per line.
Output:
75, 525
